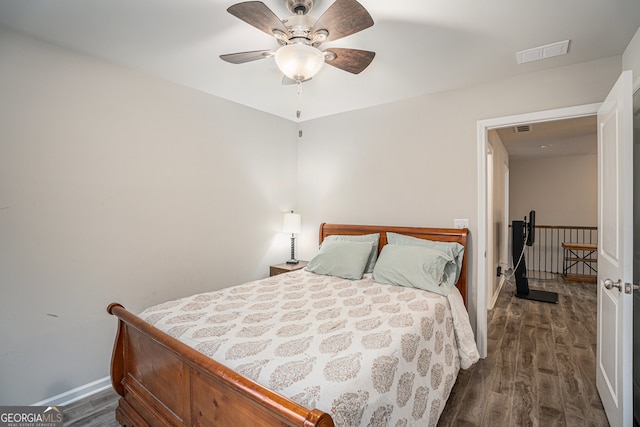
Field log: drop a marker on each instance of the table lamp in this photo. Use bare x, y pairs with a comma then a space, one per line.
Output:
291, 224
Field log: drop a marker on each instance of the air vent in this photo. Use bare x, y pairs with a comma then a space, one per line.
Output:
543, 52
522, 128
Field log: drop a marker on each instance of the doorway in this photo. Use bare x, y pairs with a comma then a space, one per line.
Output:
483, 128
615, 217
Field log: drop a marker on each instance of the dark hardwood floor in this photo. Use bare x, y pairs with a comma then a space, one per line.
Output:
540, 370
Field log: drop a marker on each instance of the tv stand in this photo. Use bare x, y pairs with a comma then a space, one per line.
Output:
522, 282
542, 296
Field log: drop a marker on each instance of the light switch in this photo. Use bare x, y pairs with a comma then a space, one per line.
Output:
461, 223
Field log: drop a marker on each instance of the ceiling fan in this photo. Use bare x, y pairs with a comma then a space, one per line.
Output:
299, 56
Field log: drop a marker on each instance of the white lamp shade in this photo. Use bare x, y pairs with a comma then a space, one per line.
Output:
291, 223
299, 61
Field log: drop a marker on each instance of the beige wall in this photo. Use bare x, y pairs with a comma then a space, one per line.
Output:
115, 186
414, 162
631, 56
562, 190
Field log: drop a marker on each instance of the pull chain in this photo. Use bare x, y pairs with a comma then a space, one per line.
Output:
299, 110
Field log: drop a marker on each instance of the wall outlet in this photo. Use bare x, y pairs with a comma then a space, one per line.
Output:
460, 223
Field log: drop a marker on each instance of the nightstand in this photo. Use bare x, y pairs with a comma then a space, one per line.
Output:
285, 268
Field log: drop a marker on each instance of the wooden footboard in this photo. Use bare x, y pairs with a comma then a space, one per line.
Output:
165, 382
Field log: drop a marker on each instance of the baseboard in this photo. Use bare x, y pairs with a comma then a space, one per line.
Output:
496, 294
77, 393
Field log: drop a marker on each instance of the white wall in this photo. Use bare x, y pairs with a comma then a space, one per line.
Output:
115, 186
414, 162
562, 190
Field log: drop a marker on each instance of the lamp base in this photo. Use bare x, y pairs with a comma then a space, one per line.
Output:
293, 259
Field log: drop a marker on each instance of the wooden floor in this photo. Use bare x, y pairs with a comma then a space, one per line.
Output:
540, 370
95, 411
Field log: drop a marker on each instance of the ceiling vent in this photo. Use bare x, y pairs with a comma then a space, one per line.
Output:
543, 52
522, 128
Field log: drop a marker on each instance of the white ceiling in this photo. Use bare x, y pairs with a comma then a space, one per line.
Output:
568, 137
422, 46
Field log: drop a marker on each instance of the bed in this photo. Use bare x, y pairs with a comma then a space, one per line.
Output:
167, 370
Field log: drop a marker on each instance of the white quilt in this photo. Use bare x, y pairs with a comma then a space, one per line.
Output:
369, 354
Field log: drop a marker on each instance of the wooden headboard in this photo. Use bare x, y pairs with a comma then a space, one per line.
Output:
438, 234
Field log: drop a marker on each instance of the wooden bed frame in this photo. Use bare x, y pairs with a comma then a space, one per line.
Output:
164, 382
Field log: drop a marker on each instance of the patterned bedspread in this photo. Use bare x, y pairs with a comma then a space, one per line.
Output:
369, 354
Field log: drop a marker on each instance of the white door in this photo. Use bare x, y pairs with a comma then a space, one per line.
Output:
615, 253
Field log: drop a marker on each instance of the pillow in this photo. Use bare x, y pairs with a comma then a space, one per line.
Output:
415, 267
373, 238
452, 249
344, 259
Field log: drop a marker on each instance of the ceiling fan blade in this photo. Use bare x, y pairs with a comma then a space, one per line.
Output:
259, 15
343, 18
242, 57
351, 60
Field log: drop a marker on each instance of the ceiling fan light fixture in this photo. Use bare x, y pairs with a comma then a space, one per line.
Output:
299, 61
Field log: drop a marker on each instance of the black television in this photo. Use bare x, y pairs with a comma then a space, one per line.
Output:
531, 228
524, 233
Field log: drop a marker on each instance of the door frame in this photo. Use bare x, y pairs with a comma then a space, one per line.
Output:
490, 259
636, 262
483, 127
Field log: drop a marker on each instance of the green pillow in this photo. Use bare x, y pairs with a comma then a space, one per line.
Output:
344, 259
373, 238
453, 250
415, 267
